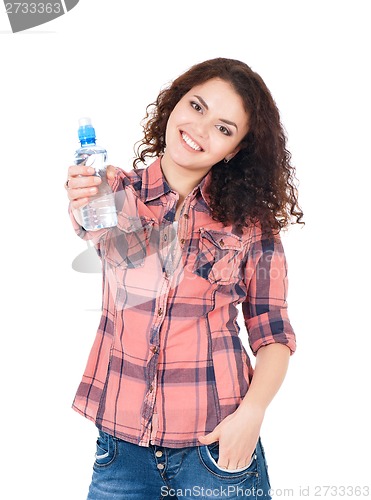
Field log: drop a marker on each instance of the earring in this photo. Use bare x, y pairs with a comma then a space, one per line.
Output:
226, 160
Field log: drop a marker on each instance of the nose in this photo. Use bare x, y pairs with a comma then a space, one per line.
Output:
201, 127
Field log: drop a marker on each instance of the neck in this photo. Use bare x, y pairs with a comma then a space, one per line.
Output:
181, 182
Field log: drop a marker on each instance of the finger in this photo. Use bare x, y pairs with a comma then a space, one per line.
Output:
77, 194
111, 172
223, 459
79, 203
232, 465
245, 463
83, 182
81, 169
223, 464
211, 437
239, 465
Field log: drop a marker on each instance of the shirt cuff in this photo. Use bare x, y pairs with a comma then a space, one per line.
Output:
270, 328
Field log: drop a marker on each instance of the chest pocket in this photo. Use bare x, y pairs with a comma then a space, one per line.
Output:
127, 244
218, 256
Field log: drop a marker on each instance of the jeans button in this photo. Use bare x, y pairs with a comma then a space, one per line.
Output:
160, 466
159, 453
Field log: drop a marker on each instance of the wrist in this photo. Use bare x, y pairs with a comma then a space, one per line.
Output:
252, 406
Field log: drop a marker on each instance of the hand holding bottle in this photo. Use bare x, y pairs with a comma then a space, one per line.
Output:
82, 183
89, 190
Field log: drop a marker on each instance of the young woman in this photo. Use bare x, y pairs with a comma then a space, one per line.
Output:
168, 383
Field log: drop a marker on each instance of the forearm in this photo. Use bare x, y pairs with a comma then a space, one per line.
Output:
270, 370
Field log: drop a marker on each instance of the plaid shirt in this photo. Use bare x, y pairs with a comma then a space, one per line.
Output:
167, 364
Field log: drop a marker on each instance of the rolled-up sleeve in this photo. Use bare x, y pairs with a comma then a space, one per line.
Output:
265, 308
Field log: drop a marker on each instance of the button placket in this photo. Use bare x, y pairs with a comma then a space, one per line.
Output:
176, 245
150, 397
160, 457
181, 236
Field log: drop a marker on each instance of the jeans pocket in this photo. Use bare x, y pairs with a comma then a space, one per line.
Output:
106, 450
209, 457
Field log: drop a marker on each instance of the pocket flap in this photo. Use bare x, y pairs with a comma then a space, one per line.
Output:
130, 224
222, 240
127, 244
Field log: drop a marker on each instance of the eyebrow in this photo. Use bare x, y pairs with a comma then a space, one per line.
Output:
221, 119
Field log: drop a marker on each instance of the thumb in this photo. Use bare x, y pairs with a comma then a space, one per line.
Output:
209, 438
111, 172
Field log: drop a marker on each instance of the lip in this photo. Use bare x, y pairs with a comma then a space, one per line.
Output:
186, 146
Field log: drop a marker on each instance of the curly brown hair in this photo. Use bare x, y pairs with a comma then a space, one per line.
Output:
258, 184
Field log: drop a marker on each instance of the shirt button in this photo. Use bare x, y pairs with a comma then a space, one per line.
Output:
151, 388
221, 243
182, 241
155, 349
159, 453
186, 216
160, 466
165, 237
159, 312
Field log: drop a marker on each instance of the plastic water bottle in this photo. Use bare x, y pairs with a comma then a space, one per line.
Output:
100, 212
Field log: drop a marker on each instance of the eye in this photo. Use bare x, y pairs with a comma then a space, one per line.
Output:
223, 130
196, 106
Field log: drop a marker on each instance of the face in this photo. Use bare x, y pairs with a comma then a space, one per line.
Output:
206, 126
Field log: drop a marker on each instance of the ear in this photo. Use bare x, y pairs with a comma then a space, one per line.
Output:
233, 153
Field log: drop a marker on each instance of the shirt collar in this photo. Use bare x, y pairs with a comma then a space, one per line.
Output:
154, 183
203, 187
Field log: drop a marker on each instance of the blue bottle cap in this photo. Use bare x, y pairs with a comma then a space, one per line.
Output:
86, 131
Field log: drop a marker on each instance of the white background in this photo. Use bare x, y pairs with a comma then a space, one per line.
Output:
108, 60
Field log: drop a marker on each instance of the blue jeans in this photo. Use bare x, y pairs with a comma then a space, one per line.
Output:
126, 471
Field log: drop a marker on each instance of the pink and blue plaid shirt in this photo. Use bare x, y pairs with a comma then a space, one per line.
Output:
167, 364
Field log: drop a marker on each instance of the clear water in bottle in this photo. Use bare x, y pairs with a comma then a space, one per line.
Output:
100, 212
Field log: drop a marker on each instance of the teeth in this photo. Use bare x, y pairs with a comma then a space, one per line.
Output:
190, 143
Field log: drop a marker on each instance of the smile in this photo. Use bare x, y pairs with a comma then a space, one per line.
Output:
191, 143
